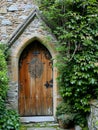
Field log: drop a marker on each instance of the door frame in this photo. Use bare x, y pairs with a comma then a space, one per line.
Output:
16, 51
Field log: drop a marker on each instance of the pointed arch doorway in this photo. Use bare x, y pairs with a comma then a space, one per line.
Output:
35, 81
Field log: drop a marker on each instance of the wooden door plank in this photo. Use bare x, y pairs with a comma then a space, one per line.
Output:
33, 96
44, 80
32, 86
21, 93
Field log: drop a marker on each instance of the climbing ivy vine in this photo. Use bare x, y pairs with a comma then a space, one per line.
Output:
75, 24
9, 119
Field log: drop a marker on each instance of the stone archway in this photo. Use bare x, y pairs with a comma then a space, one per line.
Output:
16, 51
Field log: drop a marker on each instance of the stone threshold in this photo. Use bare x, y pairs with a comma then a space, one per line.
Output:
41, 129
37, 119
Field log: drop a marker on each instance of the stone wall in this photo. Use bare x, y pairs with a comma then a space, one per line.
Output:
93, 118
12, 14
22, 15
37, 30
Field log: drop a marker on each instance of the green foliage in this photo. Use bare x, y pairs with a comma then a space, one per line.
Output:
75, 24
63, 108
8, 118
3, 74
64, 113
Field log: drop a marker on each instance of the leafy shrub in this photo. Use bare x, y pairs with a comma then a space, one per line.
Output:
3, 76
9, 119
75, 24
63, 108
65, 116
64, 113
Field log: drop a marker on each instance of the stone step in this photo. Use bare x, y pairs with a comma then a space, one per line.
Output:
37, 119
41, 128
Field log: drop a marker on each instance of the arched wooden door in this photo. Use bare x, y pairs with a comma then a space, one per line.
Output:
35, 81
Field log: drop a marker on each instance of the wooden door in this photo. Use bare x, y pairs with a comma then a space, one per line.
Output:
35, 81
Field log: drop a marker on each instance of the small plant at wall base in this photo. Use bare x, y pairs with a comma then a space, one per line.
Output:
65, 116
9, 119
76, 27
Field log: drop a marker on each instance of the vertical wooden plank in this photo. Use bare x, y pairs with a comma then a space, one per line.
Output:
32, 96
27, 87
38, 82
22, 91
48, 101
44, 95
32, 86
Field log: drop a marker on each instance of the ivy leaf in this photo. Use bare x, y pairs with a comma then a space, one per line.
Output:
92, 81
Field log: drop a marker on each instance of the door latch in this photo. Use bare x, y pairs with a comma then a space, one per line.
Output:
49, 84
46, 84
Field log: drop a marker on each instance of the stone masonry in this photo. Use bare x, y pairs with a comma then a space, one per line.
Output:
93, 118
12, 15
20, 24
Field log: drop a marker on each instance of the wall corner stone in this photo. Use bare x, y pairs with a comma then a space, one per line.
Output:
93, 117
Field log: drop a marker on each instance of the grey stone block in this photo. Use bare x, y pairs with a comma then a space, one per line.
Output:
3, 10
1, 17
28, 6
23, 17
78, 128
13, 8
9, 0
6, 22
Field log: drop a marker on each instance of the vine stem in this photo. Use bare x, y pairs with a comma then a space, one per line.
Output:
73, 52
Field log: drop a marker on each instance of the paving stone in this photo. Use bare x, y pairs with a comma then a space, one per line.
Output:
53, 124
78, 128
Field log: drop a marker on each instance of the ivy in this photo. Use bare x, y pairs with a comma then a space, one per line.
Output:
9, 119
75, 24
